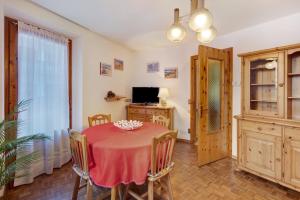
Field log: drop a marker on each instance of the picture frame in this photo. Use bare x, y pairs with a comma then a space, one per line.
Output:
105, 69
171, 73
118, 64
153, 67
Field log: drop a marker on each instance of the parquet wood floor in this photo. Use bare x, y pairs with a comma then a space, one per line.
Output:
216, 181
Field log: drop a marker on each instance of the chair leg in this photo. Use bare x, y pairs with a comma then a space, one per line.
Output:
150, 190
125, 192
169, 187
114, 193
89, 193
76, 188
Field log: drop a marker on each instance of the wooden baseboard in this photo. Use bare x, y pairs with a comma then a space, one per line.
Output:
183, 140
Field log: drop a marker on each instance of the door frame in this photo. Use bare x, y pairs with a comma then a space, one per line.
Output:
229, 88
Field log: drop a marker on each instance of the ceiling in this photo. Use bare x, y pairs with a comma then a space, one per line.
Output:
137, 23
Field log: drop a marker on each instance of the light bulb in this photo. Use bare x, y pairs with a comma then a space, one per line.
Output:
176, 33
207, 35
201, 19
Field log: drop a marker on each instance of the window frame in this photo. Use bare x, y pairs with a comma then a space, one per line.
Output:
11, 69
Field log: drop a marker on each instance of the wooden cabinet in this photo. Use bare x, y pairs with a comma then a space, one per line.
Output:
269, 125
145, 113
292, 156
262, 149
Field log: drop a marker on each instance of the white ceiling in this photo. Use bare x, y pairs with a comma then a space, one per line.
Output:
143, 22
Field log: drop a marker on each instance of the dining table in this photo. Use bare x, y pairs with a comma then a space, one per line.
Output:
118, 156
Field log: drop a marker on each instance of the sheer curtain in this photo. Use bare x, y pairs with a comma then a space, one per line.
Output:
43, 79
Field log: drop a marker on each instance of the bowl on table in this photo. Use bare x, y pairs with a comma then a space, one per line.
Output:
128, 125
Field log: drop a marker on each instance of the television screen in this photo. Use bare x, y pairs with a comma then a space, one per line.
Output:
145, 95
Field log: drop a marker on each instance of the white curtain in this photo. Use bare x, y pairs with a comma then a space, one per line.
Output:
43, 79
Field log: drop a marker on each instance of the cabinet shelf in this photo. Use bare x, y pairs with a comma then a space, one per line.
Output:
263, 101
261, 68
262, 84
292, 98
293, 74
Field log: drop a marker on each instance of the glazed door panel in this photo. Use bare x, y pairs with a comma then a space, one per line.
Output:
264, 85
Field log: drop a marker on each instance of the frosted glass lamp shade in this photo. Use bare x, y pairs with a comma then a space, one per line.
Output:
163, 93
201, 19
176, 33
207, 35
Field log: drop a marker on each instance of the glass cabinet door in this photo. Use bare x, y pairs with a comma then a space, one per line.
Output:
264, 81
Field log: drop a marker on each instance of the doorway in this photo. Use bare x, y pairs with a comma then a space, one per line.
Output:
211, 103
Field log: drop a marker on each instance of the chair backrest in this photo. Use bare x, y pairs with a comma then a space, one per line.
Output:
78, 144
162, 120
162, 152
99, 119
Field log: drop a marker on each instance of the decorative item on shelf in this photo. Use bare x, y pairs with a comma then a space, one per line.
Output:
118, 64
128, 125
171, 73
153, 67
105, 69
201, 21
163, 95
112, 97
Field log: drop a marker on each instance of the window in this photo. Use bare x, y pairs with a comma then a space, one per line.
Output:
38, 68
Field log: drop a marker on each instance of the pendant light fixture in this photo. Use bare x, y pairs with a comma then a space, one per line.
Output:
176, 32
201, 18
200, 21
207, 35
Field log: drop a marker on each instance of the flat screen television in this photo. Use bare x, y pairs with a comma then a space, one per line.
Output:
145, 95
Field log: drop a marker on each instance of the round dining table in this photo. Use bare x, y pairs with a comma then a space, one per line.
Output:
118, 156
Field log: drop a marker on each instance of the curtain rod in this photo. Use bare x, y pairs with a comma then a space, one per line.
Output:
15, 21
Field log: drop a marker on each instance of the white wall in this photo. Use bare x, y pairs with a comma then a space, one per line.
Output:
89, 49
279, 32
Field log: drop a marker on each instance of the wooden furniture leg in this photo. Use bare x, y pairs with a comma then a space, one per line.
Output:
125, 192
169, 187
150, 190
114, 193
76, 188
89, 193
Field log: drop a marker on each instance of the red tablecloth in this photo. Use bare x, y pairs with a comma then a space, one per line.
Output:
117, 156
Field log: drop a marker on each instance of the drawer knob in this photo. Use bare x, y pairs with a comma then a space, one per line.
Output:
290, 137
250, 149
259, 128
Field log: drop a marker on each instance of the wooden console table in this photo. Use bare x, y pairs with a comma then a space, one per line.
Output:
145, 113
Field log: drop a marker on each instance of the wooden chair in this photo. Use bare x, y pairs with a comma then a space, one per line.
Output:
162, 120
78, 144
99, 119
161, 165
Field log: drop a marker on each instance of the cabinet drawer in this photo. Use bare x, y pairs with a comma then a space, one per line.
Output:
136, 111
156, 112
292, 134
139, 117
262, 128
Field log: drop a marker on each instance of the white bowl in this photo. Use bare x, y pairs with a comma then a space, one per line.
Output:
128, 125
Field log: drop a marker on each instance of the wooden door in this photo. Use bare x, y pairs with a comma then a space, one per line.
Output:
262, 153
292, 156
213, 99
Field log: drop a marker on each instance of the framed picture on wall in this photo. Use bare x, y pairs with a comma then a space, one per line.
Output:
171, 73
153, 67
118, 64
105, 69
